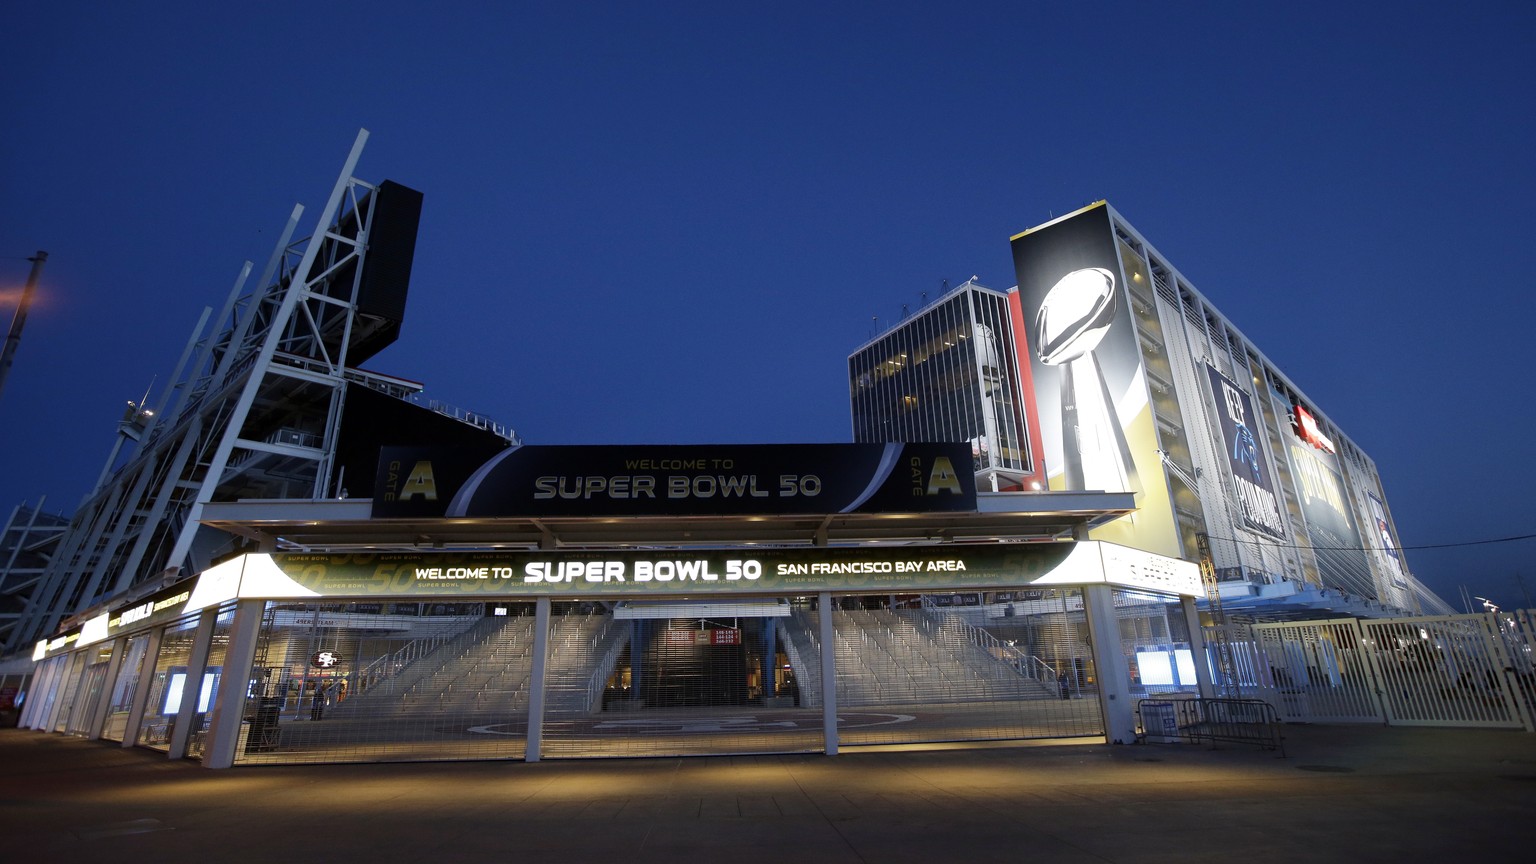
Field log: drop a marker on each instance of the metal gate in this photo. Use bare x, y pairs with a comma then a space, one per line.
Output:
1318, 670
1447, 670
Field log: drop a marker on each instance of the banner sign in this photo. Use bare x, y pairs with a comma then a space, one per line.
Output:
1326, 508
1097, 430
631, 573
1394, 559
164, 605
676, 480
468, 577
1252, 478
675, 572
1085, 359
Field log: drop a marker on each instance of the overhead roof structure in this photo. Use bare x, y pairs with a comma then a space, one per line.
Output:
346, 524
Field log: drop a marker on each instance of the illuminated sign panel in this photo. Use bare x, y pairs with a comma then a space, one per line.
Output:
61, 642
164, 605
158, 607
1252, 479
1134, 568
1096, 427
684, 638
1307, 429
677, 480
1085, 362
629, 573
670, 573
93, 631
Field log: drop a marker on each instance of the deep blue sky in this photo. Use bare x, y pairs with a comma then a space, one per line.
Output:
672, 222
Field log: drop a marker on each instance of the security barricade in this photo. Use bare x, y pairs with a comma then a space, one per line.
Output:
1212, 721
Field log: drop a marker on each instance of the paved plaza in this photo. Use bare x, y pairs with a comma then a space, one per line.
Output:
1341, 793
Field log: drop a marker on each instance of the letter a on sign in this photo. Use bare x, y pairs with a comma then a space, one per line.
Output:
420, 482
942, 478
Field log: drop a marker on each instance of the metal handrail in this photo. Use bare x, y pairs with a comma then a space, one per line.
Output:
598, 682
807, 677
1026, 664
397, 662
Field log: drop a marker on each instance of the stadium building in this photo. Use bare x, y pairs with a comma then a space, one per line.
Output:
1104, 369
295, 560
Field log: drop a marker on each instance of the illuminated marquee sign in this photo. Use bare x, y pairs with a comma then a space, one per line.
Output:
675, 573
163, 605
630, 573
1307, 429
148, 609
676, 480
626, 573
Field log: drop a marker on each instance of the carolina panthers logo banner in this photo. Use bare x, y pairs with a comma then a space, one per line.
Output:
1251, 478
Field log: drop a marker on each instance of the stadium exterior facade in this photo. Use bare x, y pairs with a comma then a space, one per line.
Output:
309, 590
1127, 379
470, 597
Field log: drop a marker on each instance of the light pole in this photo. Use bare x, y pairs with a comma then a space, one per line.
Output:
13, 338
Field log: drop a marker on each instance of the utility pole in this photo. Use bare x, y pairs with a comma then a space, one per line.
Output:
13, 338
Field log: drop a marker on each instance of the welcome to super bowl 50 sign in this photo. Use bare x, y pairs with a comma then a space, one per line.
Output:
676, 480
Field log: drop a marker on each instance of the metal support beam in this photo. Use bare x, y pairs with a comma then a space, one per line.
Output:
37, 699
98, 720
55, 708
536, 680
277, 330
828, 672
1109, 661
1197, 648
229, 706
192, 685
141, 694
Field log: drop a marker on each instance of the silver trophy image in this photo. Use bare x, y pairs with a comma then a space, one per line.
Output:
1072, 321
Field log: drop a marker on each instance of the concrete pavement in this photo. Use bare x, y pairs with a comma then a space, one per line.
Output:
1343, 793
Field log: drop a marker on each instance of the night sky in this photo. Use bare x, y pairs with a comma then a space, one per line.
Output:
672, 222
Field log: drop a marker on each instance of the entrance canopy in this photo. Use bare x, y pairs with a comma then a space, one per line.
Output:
333, 549
1001, 516
587, 634
588, 575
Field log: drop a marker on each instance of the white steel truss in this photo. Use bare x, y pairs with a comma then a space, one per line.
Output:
258, 415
